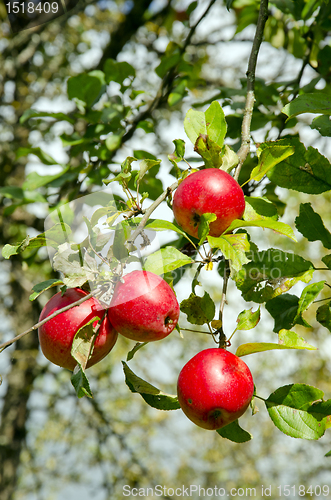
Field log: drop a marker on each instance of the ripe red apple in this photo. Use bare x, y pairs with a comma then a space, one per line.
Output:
214, 388
144, 307
57, 334
208, 191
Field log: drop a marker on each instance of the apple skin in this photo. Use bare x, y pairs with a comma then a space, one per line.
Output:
144, 307
208, 191
214, 388
57, 334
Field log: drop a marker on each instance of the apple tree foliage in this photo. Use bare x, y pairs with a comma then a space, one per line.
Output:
110, 107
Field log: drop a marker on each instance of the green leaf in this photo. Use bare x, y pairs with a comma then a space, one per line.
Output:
322, 124
136, 348
293, 340
283, 309
84, 87
210, 123
163, 225
33, 113
153, 396
209, 151
114, 141
308, 103
287, 309
118, 71
307, 170
311, 226
179, 147
81, 383
34, 181
254, 347
269, 155
199, 310
234, 433
43, 157
259, 208
323, 315
278, 271
288, 406
308, 295
83, 342
233, 247
146, 165
43, 286
248, 319
203, 229
166, 260
12, 192
278, 227
327, 260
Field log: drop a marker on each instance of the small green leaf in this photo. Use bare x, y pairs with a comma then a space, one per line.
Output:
163, 225
179, 147
307, 170
203, 229
322, 124
323, 315
209, 151
118, 71
81, 383
166, 260
43, 157
283, 309
33, 113
287, 408
308, 103
293, 341
136, 348
84, 87
210, 123
278, 227
234, 433
83, 342
269, 156
311, 226
259, 208
233, 247
199, 310
327, 260
248, 319
153, 396
308, 295
145, 165
254, 347
43, 286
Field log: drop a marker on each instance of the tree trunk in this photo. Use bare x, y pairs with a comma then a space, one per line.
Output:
23, 371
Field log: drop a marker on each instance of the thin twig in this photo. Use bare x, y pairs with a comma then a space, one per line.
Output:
226, 276
51, 316
250, 98
149, 211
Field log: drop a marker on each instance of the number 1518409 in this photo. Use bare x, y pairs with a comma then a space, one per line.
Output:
301, 490
32, 8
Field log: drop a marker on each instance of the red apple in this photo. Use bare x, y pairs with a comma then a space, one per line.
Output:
214, 388
144, 307
57, 334
208, 191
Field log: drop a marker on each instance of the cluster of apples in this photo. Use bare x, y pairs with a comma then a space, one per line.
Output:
215, 387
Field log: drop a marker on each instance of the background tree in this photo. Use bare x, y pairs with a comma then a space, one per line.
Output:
134, 71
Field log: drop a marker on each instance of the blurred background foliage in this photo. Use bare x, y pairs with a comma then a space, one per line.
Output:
181, 54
